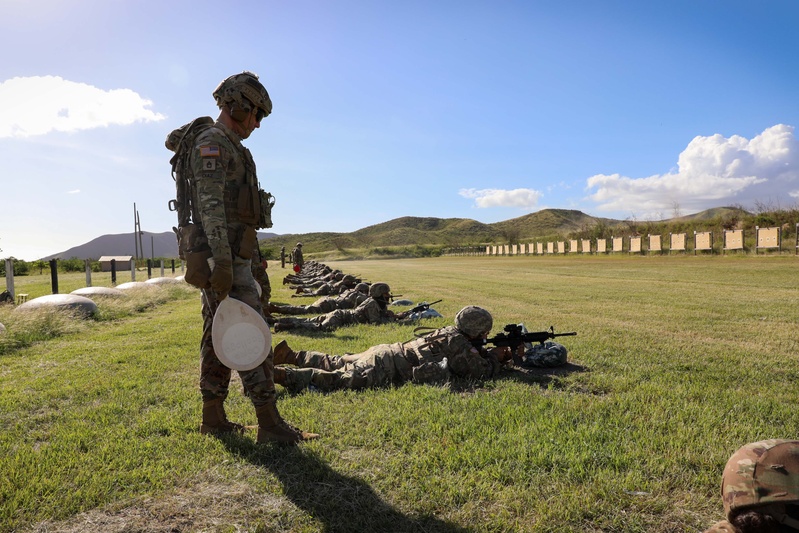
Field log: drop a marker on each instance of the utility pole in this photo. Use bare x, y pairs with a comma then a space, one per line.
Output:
136, 229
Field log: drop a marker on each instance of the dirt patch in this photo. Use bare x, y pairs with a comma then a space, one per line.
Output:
201, 507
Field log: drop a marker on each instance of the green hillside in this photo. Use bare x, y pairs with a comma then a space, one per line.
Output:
422, 236
429, 235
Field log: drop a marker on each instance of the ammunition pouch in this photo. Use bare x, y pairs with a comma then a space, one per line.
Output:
248, 242
194, 249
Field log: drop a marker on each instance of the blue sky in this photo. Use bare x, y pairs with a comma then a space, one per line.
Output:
486, 110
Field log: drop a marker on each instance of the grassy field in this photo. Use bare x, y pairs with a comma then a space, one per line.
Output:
678, 362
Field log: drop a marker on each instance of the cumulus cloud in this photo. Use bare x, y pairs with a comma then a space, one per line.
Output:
711, 171
41, 104
523, 198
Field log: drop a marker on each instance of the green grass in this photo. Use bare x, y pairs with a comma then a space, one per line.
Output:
678, 362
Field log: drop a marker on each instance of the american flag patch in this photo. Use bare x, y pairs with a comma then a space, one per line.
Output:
209, 150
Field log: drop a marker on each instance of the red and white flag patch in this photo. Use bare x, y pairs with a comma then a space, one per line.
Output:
209, 150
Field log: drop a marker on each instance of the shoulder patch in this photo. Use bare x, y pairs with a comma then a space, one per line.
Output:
209, 150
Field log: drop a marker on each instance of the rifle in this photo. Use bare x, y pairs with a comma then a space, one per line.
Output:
515, 336
424, 306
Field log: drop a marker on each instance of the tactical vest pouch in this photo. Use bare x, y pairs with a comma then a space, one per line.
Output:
198, 272
249, 240
194, 249
249, 208
267, 202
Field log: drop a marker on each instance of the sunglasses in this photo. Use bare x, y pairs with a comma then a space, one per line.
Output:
259, 114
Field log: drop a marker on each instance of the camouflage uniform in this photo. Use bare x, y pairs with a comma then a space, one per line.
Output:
297, 256
336, 287
347, 300
370, 311
259, 266
220, 165
722, 527
435, 357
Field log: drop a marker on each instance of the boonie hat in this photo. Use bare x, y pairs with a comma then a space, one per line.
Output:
241, 337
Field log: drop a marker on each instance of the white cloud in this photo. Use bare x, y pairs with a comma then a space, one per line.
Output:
74, 191
41, 104
524, 198
711, 171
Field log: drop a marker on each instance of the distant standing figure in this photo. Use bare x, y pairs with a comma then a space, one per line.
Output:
282, 257
297, 253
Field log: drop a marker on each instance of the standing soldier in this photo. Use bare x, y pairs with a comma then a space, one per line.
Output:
297, 254
228, 205
282, 257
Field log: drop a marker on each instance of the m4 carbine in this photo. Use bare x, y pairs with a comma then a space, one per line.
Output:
424, 306
515, 336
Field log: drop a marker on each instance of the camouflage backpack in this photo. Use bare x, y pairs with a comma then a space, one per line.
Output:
192, 243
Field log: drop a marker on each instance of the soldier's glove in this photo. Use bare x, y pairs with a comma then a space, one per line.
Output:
222, 278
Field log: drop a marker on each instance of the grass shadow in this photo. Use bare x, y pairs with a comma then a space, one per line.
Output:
543, 377
340, 502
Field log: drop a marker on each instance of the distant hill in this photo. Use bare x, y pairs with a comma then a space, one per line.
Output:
714, 213
154, 245
409, 232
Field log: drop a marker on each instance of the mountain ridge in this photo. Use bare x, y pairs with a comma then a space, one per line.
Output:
402, 231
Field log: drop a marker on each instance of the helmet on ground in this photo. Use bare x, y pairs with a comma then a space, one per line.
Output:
761, 473
245, 91
473, 321
362, 287
380, 291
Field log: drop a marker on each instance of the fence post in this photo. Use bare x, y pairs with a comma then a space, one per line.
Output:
132, 270
10, 279
88, 272
54, 275
173, 266
113, 272
149, 268
162, 268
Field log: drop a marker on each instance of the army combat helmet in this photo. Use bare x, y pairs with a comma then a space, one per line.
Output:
473, 321
380, 292
762, 473
245, 91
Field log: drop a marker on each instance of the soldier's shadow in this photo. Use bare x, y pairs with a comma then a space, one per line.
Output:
339, 502
542, 377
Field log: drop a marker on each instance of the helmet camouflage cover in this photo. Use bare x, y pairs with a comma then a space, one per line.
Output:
245, 90
761, 472
379, 290
362, 287
473, 321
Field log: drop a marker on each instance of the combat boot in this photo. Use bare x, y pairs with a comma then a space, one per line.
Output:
283, 355
272, 427
215, 420
295, 380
